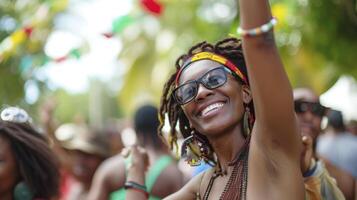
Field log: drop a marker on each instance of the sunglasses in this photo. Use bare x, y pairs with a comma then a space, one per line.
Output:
212, 79
314, 107
15, 114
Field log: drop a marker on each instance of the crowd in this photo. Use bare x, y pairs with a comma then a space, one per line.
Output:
232, 116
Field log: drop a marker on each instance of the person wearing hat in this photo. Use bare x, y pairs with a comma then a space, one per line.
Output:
86, 149
319, 184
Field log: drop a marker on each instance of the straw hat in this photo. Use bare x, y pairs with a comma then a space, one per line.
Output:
79, 137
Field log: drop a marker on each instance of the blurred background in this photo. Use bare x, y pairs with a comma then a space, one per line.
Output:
100, 59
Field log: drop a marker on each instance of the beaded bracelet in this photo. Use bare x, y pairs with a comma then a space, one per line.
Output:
259, 30
137, 187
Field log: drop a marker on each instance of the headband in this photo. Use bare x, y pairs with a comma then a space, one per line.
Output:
213, 57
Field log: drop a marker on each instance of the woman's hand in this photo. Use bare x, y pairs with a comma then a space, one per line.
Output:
307, 153
136, 170
139, 163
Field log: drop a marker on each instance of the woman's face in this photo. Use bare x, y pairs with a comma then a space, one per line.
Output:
213, 111
8, 167
84, 165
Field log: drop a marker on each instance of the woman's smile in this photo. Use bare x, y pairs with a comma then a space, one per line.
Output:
211, 109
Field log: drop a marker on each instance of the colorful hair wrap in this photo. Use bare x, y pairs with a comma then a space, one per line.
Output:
213, 57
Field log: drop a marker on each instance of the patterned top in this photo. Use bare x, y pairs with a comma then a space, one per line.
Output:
321, 186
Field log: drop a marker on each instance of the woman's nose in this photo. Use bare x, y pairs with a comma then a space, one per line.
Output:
202, 92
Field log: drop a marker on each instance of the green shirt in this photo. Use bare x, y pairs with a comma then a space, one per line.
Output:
150, 179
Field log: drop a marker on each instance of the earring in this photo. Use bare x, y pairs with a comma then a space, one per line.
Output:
247, 118
194, 150
22, 191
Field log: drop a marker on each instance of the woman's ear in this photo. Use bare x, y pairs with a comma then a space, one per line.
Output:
246, 94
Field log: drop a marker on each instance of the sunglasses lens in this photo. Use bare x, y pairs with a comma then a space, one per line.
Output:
186, 92
318, 109
215, 78
298, 107
315, 108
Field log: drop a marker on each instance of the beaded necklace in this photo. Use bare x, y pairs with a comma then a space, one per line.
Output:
236, 186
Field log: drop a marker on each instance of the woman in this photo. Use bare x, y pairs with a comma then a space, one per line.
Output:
28, 169
256, 156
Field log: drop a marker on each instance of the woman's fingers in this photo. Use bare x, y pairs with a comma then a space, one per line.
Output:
307, 153
139, 156
125, 152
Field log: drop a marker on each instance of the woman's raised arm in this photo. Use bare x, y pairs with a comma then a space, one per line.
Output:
274, 160
272, 94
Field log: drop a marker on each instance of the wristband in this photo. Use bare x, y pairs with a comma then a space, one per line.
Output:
137, 187
312, 169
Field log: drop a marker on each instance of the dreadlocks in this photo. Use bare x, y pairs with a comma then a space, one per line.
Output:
230, 48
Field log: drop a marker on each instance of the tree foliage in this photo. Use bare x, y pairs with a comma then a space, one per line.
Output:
21, 52
317, 41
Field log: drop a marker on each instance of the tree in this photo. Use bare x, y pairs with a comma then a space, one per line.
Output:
24, 27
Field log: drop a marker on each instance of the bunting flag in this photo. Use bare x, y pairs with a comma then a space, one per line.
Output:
152, 6
15, 39
10, 43
119, 24
74, 53
29, 61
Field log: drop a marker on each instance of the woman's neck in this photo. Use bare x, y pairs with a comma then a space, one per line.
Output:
227, 146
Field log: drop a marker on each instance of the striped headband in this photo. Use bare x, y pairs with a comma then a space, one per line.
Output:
213, 57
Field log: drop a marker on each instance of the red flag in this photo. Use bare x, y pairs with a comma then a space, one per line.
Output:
152, 6
60, 59
28, 30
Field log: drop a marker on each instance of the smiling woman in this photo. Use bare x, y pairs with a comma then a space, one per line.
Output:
254, 146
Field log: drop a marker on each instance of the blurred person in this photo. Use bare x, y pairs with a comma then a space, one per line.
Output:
245, 128
87, 149
338, 148
63, 134
79, 149
352, 127
318, 182
113, 129
163, 175
28, 167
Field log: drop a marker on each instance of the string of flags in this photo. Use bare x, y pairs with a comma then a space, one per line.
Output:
13, 41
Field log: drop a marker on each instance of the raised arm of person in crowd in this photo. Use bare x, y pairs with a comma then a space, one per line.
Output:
109, 177
46, 113
275, 145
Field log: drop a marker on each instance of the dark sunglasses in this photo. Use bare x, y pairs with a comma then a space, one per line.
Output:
314, 107
212, 79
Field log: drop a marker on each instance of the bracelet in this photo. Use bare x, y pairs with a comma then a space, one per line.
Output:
137, 187
259, 30
311, 170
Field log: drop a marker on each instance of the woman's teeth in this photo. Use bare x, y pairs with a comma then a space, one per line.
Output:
210, 108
